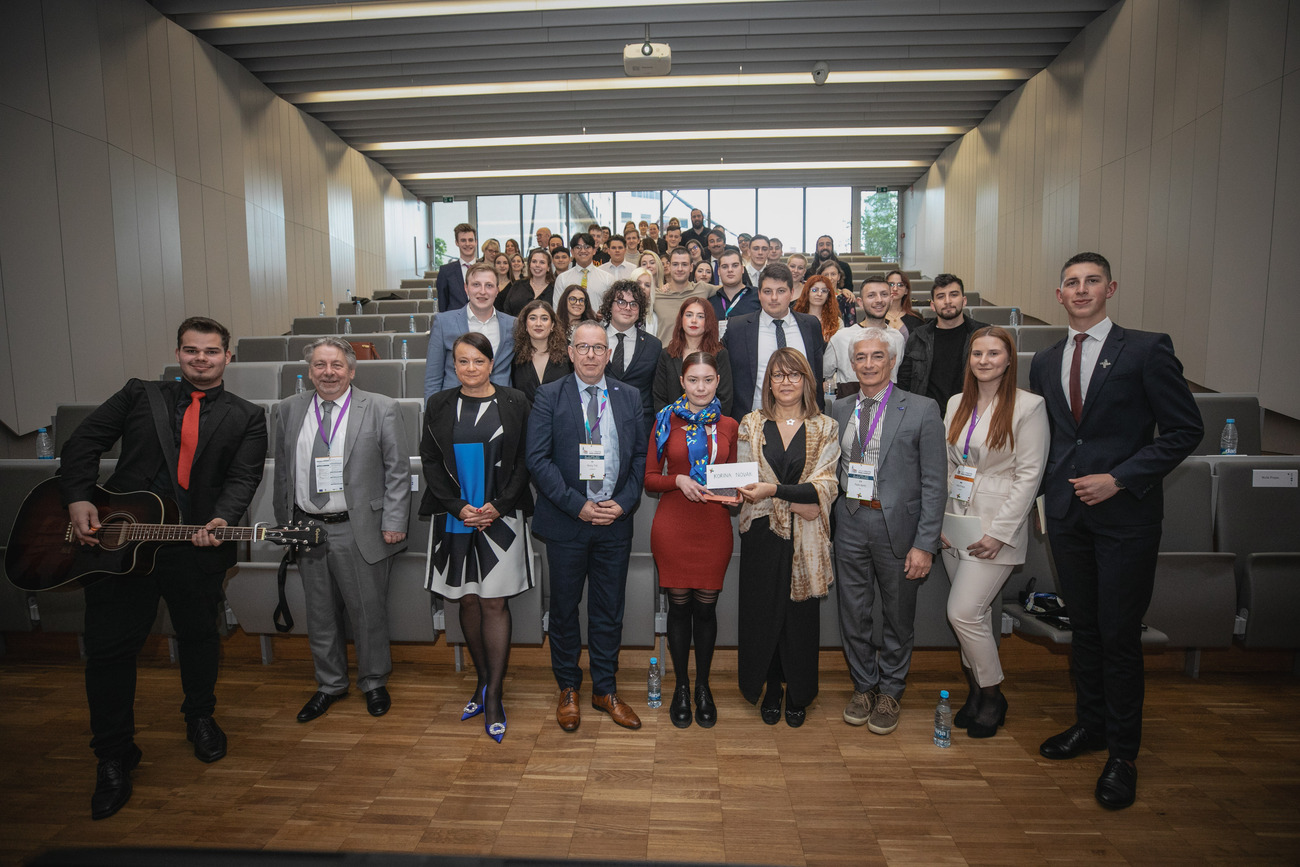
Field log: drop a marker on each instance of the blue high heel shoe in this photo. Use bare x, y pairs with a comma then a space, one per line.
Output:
496, 731
473, 708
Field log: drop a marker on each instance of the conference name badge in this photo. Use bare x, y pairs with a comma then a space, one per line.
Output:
591, 462
737, 475
329, 474
862, 482
962, 484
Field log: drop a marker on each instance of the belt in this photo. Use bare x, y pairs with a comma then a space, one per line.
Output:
870, 504
324, 517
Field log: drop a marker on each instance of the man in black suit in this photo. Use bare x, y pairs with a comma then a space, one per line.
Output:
1106, 395
751, 339
195, 443
633, 354
451, 277
586, 452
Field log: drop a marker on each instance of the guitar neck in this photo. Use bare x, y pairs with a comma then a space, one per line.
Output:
183, 532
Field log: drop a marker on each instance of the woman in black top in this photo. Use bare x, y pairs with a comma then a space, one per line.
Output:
541, 349
537, 285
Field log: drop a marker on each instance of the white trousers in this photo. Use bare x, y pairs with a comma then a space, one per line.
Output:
976, 587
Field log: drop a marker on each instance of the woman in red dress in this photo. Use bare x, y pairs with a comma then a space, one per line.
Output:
691, 537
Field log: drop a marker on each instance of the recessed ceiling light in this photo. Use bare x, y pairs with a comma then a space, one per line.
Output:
663, 169
662, 136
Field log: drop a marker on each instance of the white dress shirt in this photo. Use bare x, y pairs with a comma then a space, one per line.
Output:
597, 282
489, 328
767, 345
629, 344
849, 436
608, 437
302, 453
1091, 354
619, 272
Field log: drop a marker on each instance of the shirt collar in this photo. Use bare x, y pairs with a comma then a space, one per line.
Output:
629, 331
583, 386
766, 319
470, 314
863, 396
338, 401
1099, 332
208, 393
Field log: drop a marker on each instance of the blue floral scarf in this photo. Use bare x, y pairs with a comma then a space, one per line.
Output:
697, 440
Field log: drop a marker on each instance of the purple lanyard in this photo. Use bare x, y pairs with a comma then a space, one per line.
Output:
600, 412
974, 420
338, 421
880, 411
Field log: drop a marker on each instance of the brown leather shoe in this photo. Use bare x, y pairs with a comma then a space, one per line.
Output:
567, 713
620, 712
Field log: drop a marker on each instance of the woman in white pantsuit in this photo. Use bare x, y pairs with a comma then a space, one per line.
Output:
997, 449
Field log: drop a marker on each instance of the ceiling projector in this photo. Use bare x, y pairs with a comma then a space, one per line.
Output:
647, 58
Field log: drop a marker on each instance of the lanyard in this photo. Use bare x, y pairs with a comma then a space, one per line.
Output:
732, 306
880, 411
600, 413
974, 420
338, 421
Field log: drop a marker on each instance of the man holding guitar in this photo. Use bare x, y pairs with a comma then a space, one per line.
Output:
195, 443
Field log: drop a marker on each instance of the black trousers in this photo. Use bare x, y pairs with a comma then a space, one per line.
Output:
120, 611
1106, 574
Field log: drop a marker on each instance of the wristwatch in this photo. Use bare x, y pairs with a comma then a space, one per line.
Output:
1118, 484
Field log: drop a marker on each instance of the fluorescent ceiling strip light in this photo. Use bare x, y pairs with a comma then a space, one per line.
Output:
665, 136
336, 12
586, 85
666, 169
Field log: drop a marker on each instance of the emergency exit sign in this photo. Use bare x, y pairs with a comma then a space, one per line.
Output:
447, 200
882, 189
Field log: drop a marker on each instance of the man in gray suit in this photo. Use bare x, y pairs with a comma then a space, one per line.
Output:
341, 458
480, 315
887, 522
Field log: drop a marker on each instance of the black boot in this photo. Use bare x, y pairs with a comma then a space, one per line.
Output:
962, 718
706, 712
992, 713
680, 710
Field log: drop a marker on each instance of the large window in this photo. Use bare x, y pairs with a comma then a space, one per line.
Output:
548, 210
588, 208
829, 210
678, 203
635, 205
446, 217
878, 228
734, 211
780, 215
498, 217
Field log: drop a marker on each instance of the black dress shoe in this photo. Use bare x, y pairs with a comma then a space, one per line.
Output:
794, 715
771, 708
680, 710
1117, 785
706, 712
1072, 742
113, 784
208, 739
378, 701
317, 705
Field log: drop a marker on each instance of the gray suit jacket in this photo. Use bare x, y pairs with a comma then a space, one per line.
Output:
376, 468
910, 479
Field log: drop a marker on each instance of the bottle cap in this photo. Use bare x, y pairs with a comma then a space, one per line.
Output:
654, 660
943, 693
1232, 421
42, 430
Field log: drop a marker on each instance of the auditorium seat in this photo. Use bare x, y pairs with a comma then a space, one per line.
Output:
262, 349
254, 380
1024, 361
401, 322
972, 300
1034, 338
414, 376
1216, 409
410, 606
388, 308
366, 324
317, 325
67, 416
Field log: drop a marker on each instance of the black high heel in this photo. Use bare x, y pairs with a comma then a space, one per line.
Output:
983, 725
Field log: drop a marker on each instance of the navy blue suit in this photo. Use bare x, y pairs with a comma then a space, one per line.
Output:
1105, 554
451, 287
577, 552
741, 341
640, 370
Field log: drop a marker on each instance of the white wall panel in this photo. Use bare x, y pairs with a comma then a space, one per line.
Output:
185, 110
126, 244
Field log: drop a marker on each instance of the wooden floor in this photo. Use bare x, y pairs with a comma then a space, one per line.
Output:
1220, 770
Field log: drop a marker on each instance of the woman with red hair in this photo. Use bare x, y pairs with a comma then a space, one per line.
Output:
696, 330
818, 299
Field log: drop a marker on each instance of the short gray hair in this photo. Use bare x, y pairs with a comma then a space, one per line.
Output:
338, 343
878, 334
573, 335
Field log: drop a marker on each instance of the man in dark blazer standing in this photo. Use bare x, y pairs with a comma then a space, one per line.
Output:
586, 452
451, 277
633, 354
189, 441
751, 339
1107, 390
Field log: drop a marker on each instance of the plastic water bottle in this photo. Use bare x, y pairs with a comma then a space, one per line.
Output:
358, 306
1013, 319
943, 721
298, 387
654, 685
45, 449
404, 355
322, 309
428, 293
347, 326
410, 326
1228, 439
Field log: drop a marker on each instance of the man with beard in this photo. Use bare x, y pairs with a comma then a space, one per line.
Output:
696, 231
717, 243
934, 362
826, 252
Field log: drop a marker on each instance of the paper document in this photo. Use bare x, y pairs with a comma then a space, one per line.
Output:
962, 532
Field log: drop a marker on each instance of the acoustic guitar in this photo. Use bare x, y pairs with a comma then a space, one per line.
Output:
44, 553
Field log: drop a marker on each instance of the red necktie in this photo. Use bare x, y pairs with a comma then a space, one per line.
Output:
1076, 390
189, 439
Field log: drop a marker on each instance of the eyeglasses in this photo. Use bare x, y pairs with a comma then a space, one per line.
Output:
623, 302
576, 299
895, 285
590, 348
787, 377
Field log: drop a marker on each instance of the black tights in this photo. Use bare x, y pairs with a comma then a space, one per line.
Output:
486, 624
692, 612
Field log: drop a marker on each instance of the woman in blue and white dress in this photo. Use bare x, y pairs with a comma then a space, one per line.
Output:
477, 494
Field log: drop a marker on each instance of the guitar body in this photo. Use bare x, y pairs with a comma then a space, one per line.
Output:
44, 554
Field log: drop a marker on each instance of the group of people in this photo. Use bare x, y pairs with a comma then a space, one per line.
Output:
543, 424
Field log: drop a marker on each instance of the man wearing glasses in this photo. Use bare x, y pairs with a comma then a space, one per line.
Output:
586, 452
633, 354
584, 272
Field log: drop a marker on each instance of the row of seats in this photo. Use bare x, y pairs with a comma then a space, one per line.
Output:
364, 324
291, 347
427, 304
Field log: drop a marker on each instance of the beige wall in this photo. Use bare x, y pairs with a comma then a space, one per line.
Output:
146, 177
1166, 138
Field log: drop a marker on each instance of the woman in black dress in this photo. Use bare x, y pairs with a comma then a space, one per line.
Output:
538, 284
785, 541
477, 495
541, 349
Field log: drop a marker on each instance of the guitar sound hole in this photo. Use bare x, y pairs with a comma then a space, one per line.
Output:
113, 531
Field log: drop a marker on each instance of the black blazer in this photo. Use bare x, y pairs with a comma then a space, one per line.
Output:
640, 370
523, 376
451, 287
515, 296
227, 464
1136, 387
437, 455
741, 342
668, 382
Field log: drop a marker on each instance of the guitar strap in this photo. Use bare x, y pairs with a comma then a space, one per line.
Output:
282, 618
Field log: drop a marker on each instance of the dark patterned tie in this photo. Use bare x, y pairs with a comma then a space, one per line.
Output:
320, 449
593, 422
618, 355
1076, 390
780, 333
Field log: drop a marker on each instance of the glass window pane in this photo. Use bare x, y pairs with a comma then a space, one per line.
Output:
734, 211
830, 209
678, 203
446, 216
636, 206
498, 218
780, 215
879, 229
543, 210
588, 208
